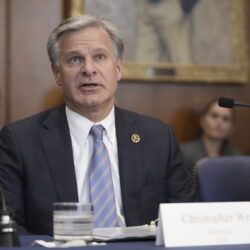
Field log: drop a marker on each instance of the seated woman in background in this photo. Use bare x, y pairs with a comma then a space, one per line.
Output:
216, 126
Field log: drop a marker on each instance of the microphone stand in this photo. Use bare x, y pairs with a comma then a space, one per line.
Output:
8, 235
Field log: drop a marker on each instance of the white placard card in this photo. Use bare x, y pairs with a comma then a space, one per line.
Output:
203, 224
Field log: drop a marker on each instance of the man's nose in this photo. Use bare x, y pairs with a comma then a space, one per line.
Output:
88, 68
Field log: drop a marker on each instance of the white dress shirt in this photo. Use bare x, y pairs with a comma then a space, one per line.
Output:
82, 144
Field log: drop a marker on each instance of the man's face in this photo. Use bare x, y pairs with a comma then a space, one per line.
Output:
217, 123
88, 70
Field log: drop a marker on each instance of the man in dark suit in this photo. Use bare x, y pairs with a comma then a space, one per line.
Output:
45, 158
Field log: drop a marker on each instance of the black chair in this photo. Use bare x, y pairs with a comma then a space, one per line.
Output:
223, 179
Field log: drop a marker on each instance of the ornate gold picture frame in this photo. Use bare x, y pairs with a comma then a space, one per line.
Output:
228, 45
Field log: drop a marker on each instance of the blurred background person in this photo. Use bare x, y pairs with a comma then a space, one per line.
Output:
216, 126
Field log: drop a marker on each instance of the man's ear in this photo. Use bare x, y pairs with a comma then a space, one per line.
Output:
57, 74
119, 67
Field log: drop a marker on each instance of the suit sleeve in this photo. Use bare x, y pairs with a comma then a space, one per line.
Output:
180, 187
11, 175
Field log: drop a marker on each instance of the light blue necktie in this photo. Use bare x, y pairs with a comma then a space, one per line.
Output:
101, 185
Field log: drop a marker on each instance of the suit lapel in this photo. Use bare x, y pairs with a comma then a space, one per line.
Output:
130, 164
56, 141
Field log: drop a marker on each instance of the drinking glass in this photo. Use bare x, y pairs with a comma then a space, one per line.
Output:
72, 221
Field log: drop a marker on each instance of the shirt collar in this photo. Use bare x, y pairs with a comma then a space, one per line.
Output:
80, 126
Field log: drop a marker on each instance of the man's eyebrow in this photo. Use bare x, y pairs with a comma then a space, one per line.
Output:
73, 52
100, 50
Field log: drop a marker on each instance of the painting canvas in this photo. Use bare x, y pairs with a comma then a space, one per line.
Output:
177, 40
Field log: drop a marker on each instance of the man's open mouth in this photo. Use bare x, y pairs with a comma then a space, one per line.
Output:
89, 85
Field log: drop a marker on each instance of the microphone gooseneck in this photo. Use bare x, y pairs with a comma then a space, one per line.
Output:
3, 201
230, 103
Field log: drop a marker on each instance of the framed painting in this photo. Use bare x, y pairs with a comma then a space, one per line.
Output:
177, 40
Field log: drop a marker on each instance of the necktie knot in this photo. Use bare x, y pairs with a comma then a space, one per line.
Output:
97, 132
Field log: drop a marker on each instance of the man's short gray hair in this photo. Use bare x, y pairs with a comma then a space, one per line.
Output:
80, 22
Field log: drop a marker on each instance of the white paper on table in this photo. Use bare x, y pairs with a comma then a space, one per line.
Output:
123, 233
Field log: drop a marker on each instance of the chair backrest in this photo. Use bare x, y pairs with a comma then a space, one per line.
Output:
223, 179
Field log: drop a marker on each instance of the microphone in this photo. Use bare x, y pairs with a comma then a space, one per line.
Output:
230, 103
8, 235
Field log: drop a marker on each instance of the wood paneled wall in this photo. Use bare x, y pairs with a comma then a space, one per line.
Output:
30, 85
2, 59
27, 83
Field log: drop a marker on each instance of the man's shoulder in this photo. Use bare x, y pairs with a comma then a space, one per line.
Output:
139, 119
35, 120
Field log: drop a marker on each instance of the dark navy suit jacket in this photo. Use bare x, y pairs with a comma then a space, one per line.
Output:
37, 168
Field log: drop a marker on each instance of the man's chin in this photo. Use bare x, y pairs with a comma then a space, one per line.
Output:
91, 105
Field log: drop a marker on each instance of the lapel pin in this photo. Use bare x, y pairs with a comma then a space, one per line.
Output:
135, 138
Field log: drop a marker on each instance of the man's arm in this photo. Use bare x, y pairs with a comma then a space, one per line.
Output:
180, 186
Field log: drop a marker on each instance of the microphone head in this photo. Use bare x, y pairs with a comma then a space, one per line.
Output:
226, 102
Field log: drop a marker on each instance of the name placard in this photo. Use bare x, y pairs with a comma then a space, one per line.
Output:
203, 224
